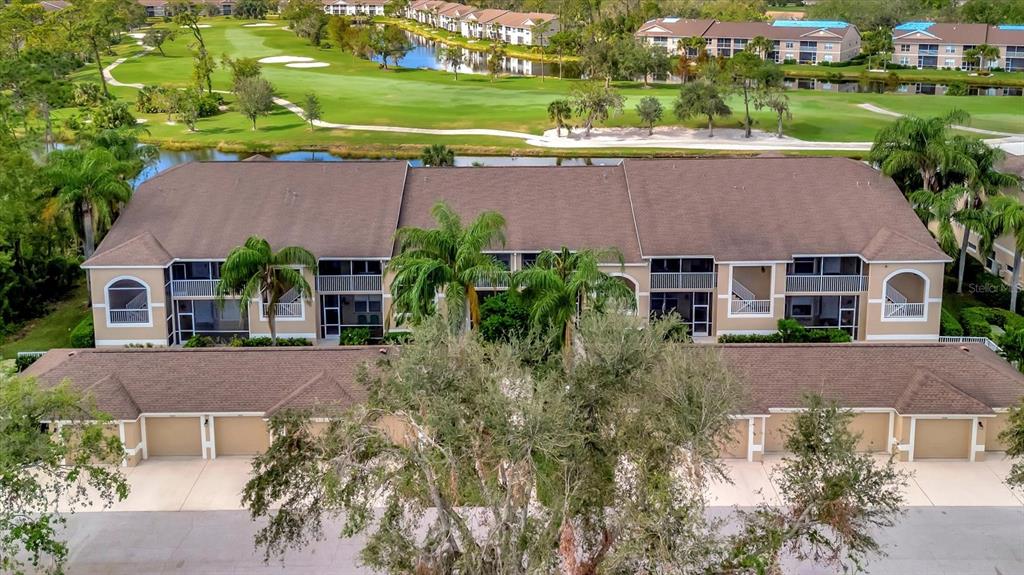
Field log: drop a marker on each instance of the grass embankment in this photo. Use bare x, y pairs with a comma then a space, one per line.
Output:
356, 91
1005, 79
51, 330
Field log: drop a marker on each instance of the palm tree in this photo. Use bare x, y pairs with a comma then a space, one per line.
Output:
984, 53
453, 57
699, 46
922, 145
448, 259
942, 209
561, 284
254, 271
559, 112
761, 46
1007, 215
124, 144
985, 182
437, 155
88, 188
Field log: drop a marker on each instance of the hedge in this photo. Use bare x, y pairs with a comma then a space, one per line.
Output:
975, 322
267, 342
354, 336
83, 335
950, 325
790, 331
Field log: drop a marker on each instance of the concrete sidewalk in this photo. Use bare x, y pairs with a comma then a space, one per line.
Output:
190, 484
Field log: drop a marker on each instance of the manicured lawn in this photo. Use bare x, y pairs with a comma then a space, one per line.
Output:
51, 330
357, 91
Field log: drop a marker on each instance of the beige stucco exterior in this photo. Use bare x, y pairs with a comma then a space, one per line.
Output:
993, 427
173, 436
240, 435
113, 335
738, 445
875, 327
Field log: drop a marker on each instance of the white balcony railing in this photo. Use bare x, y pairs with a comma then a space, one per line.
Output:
289, 309
194, 288
129, 316
966, 339
326, 284
751, 306
686, 280
487, 284
827, 284
904, 310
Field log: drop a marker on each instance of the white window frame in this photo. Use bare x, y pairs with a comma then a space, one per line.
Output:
149, 303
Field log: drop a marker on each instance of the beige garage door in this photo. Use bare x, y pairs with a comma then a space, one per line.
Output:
777, 431
240, 435
173, 436
942, 439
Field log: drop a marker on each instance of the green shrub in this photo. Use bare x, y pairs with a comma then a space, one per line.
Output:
1012, 344
397, 337
950, 325
83, 335
198, 340
354, 336
22, 362
750, 338
267, 342
975, 322
503, 318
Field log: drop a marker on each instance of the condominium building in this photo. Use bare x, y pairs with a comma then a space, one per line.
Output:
945, 45
802, 41
354, 7
512, 27
163, 8
731, 245
915, 401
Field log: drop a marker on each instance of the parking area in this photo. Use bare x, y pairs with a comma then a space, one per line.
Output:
193, 484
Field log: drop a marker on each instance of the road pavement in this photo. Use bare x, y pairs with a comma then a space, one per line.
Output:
928, 541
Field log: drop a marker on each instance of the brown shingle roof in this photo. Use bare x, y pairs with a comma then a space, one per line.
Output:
486, 15
204, 209
524, 19
955, 33
739, 30
741, 209
141, 250
914, 379
681, 27
126, 382
545, 207
1005, 36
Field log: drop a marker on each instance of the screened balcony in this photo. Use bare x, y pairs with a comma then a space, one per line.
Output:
338, 276
826, 275
683, 274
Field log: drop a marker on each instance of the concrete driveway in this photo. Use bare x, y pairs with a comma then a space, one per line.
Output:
190, 484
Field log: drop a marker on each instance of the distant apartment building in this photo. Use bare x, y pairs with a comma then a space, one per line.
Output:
517, 28
163, 8
729, 245
802, 41
999, 260
945, 45
354, 7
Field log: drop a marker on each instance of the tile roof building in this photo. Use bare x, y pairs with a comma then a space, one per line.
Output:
732, 245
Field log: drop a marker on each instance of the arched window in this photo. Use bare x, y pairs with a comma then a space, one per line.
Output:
127, 302
905, 294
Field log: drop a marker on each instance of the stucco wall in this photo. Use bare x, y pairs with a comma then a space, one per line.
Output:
117, 336
906, 329
736, 447
993, 427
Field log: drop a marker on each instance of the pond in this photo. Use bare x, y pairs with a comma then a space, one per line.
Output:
170, 158
427, 54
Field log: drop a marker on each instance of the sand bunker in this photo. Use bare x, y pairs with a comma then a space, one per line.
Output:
284, 59
137, 35
203, 26
259, 25
307, 65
